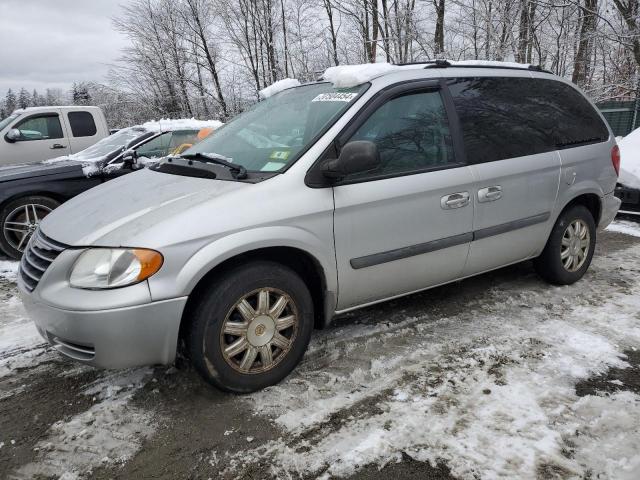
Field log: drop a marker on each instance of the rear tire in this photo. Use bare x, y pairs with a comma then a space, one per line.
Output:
18, 220
251, 327
569, 250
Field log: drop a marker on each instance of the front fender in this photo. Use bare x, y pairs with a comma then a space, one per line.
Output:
214, 253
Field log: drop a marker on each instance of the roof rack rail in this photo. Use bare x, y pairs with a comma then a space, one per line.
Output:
446, 64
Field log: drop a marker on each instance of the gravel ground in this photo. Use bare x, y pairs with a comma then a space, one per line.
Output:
501, 375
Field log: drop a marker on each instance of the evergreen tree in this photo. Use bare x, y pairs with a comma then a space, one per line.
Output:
80, 94
10, 101
52, 97
24, 100
36, 99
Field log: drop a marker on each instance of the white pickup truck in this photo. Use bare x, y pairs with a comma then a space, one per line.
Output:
39, 133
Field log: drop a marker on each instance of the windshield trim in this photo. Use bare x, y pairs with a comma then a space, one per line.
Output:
365, 87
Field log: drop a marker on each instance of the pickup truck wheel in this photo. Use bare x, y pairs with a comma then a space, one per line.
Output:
570, 247
251, 328
19, 218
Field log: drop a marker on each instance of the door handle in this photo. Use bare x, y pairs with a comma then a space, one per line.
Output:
454, 200
56, 146
489, 194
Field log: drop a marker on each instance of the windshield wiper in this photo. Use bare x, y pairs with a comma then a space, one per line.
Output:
238, 171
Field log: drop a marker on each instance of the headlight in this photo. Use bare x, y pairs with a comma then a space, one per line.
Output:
98, 268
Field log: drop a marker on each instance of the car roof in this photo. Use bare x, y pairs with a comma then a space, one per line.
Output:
49, 107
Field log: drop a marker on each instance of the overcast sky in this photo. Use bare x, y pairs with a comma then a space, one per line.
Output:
52, 43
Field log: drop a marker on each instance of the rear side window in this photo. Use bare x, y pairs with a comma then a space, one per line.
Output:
512, 117
82, 124
412, 134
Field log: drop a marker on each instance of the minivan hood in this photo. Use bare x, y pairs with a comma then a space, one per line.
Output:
17, 172
132, 208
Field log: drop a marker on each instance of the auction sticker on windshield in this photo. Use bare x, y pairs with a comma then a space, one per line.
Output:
335, 97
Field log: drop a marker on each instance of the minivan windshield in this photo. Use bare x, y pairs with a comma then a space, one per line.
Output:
8, 120
116, 142
271, 135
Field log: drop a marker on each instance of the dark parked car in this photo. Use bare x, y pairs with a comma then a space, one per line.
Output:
29, 192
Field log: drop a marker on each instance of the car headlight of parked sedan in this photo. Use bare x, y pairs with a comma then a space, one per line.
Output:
102, 268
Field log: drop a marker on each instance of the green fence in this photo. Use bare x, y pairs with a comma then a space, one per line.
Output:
623, 116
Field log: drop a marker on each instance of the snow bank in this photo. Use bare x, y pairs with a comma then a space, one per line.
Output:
277, 87
630, 159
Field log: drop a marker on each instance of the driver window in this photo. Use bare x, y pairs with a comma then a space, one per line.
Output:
40, 127
411, 132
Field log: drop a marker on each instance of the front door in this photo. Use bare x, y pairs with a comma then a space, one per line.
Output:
42, 136
407, 225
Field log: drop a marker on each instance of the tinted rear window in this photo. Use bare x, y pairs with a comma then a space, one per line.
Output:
513, 117
82, 124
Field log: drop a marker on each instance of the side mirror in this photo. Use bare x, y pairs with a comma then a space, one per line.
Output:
355, 157
13, 135
130, 159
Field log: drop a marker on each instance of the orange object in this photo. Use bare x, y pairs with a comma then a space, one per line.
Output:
150, 262
204, 133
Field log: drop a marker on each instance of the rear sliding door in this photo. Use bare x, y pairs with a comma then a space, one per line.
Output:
507, 126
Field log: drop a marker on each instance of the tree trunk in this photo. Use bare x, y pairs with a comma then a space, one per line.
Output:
438, 39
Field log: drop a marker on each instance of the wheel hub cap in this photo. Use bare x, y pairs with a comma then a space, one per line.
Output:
259, 330
576, 241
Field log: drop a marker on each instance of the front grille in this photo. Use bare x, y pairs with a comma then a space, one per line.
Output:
40, 252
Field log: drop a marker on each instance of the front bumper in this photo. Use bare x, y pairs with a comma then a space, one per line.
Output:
111, 338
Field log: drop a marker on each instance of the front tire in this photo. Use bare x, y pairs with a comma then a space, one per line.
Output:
569, 250
19, 218
251, 327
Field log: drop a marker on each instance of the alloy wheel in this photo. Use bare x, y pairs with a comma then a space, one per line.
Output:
259, 330
21, 222
574, 248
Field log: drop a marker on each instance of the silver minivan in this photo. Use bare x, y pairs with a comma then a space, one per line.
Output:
322, 199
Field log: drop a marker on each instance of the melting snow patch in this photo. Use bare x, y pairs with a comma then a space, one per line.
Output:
21, 345
110, 432
9, 270
277, 87
625, 226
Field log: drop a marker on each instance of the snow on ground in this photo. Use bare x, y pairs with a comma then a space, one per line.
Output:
8, 269
625, 226
630, 159
110, 432
277, 87
21, 345
490, 390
